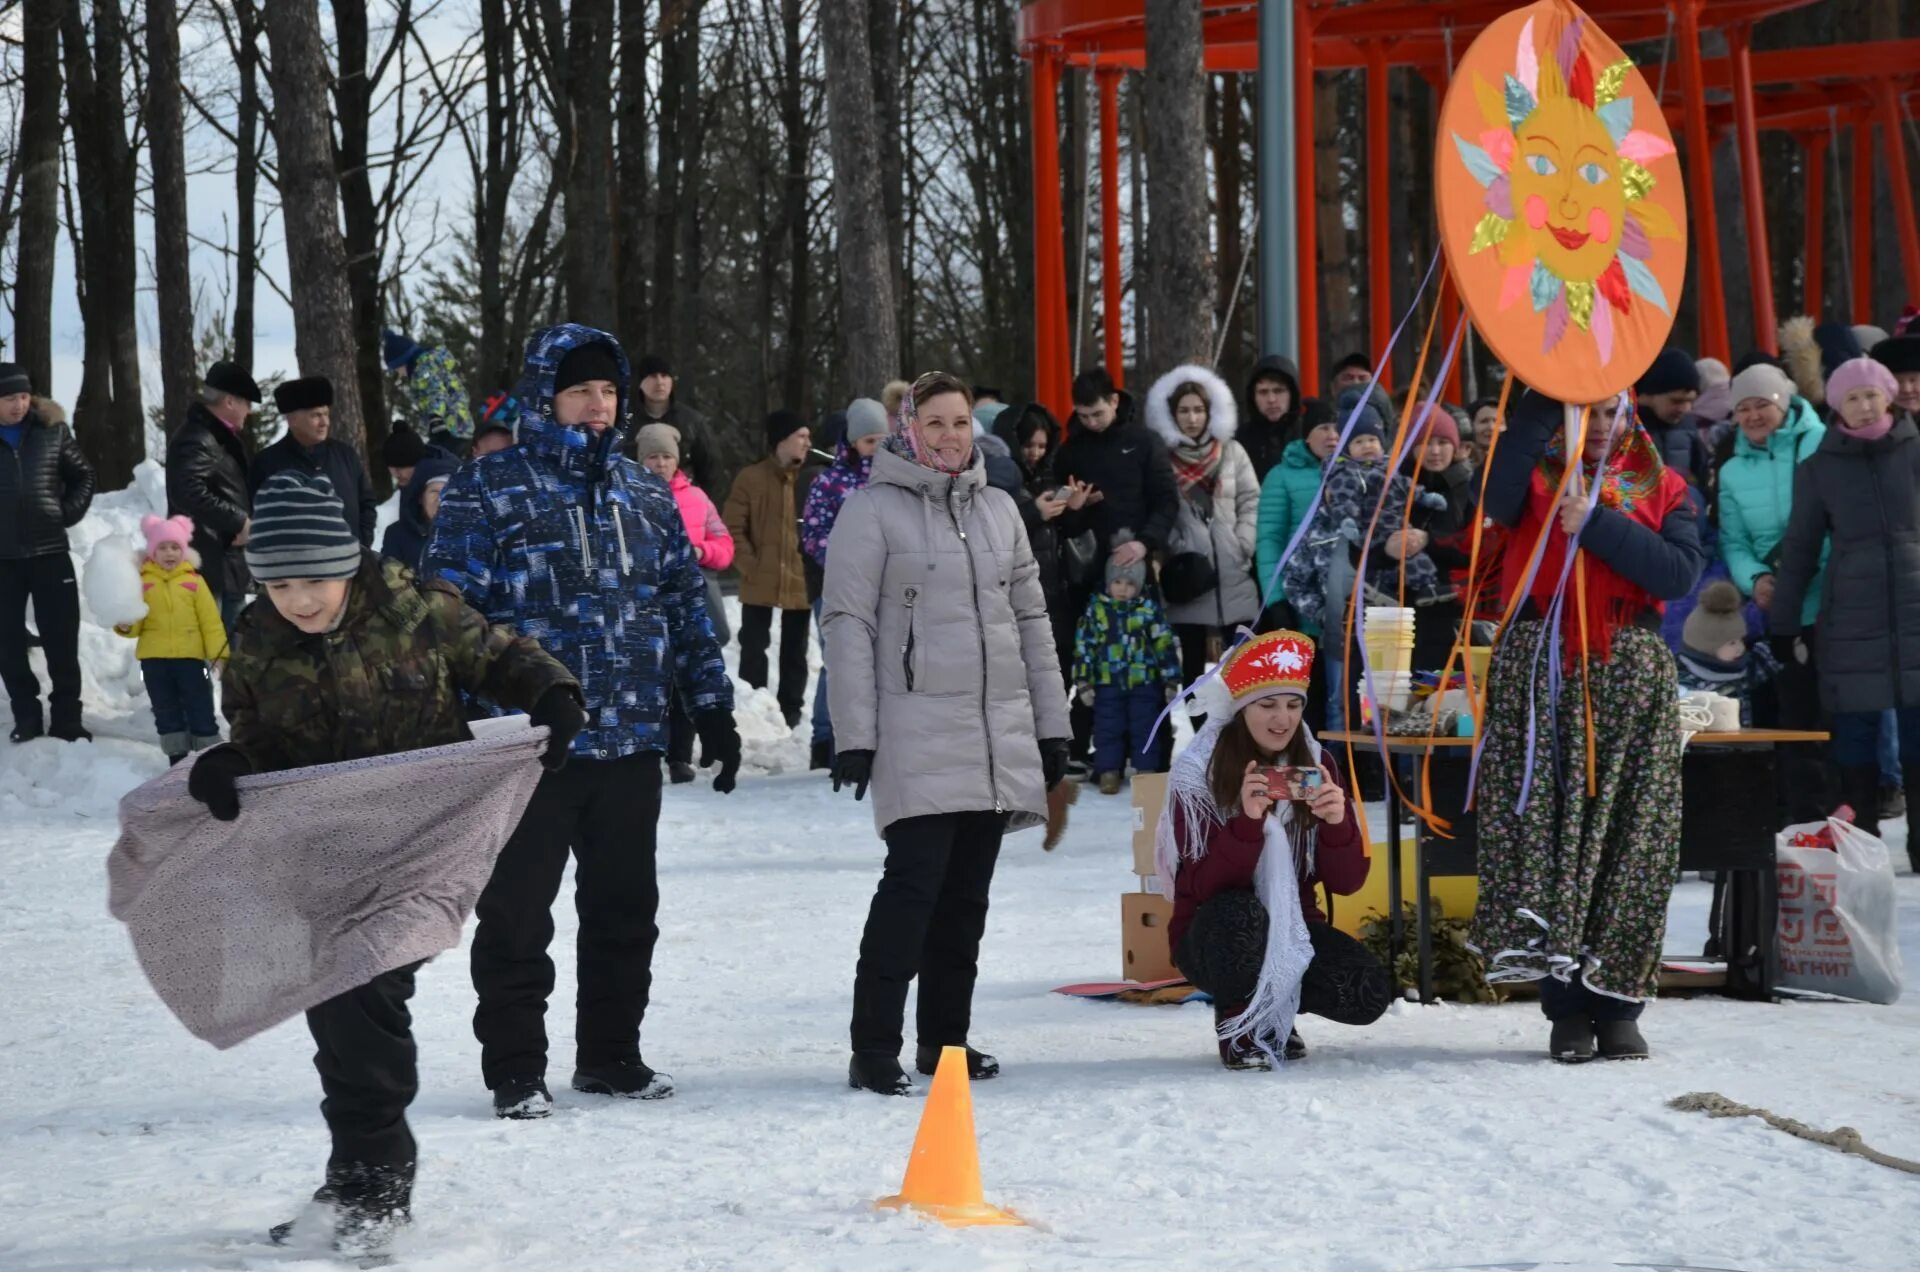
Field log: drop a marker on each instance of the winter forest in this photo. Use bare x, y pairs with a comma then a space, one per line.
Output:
662, 168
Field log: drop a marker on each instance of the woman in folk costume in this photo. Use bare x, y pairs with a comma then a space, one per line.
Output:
1191, 410
1242, 866
1574, 883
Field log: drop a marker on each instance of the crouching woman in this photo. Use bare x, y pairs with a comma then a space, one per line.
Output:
1242, 866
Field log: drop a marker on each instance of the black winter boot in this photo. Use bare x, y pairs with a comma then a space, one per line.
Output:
1296, 1048
28, 725
1912, 773
980, 1065
629, 1079
679, 772
1241, 1053
365, 1205
877, 1073
1572, 1040
1860, 787
522, 1099
1620, 1040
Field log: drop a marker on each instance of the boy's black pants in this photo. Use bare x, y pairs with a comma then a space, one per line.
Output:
364, 1052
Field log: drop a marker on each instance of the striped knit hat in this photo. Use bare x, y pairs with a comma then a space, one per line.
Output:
300, 530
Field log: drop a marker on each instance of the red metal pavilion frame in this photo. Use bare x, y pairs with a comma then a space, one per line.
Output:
1860, 85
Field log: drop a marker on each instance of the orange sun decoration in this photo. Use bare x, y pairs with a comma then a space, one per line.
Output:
1561, 212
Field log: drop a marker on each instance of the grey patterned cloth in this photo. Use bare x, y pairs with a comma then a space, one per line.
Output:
330, 876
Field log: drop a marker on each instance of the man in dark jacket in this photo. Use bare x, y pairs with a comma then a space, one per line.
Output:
1666, 394
46, 485
1272, 412
207, 481
307, 406
571, 543
1129, 481
657, 406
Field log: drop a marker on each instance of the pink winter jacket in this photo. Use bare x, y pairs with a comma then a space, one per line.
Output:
704, 526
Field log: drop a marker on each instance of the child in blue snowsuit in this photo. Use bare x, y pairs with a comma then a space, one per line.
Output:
1125, 660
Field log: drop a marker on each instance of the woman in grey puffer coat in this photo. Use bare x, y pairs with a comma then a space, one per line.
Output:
946, 694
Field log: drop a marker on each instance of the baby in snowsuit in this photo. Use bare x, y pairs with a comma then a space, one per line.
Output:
349, 657
180, 635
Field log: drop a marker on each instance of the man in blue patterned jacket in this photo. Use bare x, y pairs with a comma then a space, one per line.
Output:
567, 541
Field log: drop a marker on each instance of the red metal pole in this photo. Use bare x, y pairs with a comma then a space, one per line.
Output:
1052, 379
1306, 202
1379, 223
1903, 217
1449, 298
1863, 222
1712, 296
1752, 192
1813, 281
1108, 79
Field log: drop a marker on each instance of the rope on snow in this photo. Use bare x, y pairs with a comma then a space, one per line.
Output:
1844, 1138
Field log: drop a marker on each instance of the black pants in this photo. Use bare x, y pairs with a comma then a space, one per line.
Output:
1561, 1000
1808, 786
606, 813
364, 1051
680, 732
926, 920
1195, 643
1224, 945
756, 633
48, 581
1435, 628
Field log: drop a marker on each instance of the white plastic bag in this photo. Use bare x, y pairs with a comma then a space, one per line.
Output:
1838, 932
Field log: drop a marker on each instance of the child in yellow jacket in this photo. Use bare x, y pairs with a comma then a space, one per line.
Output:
180, 635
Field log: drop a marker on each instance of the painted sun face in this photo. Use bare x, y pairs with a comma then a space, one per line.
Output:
1566, 189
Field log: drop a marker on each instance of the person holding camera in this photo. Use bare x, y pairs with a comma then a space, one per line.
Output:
1256, 818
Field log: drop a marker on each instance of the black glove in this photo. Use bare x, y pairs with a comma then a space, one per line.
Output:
719, 741
211, 781
1784, 649
560, 713
855, 769
1053, 761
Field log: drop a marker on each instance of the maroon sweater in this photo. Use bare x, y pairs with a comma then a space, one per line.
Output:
1233, 851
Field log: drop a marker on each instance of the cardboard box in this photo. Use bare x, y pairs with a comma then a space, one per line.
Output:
1143, 937
1149, 793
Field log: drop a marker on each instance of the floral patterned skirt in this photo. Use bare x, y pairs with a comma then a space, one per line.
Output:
1574, 885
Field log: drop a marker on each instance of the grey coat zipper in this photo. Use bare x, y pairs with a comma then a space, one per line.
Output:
906, 649
980, 630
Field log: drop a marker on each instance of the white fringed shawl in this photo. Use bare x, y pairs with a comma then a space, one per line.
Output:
1268, 1018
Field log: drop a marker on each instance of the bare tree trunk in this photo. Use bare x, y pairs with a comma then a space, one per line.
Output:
587, 129
885, 42
679, 102
353, 110
172, 280
246, 178
1180, 282
40, 192
310, 205
636, 186
869, 333
112, 425
799, 139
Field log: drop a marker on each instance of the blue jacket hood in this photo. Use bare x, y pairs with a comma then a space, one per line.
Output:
577, 450
1801, 420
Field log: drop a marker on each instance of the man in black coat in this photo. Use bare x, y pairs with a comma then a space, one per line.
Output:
46, 485
656, 404
307, 406
207, 481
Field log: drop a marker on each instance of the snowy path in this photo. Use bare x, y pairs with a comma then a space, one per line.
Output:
1437, 1138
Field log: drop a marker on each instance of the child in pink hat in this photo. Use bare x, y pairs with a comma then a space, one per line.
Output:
180, 635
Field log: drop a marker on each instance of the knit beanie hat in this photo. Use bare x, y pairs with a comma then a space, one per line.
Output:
1856, 373
159, 530
1763, 380
1439, 423
593, 361
398, 351
1712, 371
1671, 372
1135, 573
404, 448
300, 530
651, 364
865, 418
1868, 335
13, 379
1716, 620
657, 439
781, 425
1898, 353
1371, 420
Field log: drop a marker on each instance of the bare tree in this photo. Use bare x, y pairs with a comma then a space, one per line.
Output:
869, 338
167, 146
310, 205
1180, 283
40, 191
632, 225
107, 413
579, 79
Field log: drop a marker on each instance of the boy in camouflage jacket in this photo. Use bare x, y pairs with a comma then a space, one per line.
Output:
346, 658
1125, 660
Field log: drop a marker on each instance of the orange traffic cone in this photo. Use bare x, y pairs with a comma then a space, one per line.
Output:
943, 1175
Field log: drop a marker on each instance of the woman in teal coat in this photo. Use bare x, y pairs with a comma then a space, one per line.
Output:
1285, 494
1776, 429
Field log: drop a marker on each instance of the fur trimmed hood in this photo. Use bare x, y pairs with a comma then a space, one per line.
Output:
1223, 417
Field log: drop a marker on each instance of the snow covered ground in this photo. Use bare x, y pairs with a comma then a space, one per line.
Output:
1438, 1138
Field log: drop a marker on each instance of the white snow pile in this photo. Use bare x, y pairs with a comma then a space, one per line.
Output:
1437, 1138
